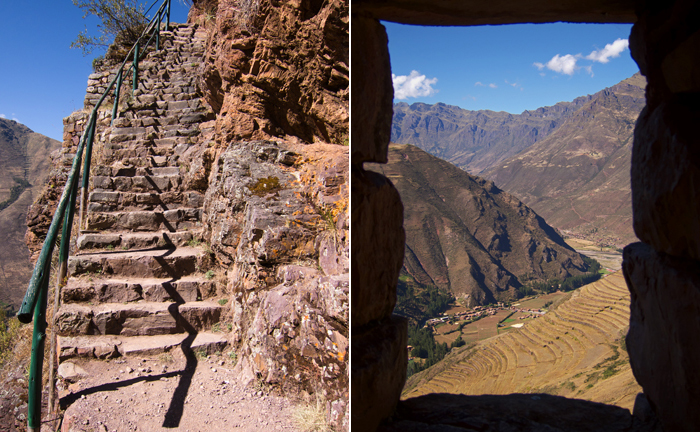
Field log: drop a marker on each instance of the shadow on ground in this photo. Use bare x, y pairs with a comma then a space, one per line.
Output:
516, 413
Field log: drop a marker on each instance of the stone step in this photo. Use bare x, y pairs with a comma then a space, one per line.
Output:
172, 263
136, 319
128, 240
107, 201
128, 171
149, 183
110, 346
170, 220
187, 289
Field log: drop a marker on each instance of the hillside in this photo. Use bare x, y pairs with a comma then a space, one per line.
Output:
578, 177
466, 236
576, 350
24, 164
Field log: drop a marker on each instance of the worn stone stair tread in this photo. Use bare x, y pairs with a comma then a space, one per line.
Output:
136, 240
136, 319
159, 252
106, 346
112, 290
160, 263
153, 220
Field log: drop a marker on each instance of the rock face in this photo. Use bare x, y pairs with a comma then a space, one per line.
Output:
516, 412
277, 69
24, 163
466, 236
276, 217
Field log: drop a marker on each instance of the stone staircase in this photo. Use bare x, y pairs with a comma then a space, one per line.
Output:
141, 282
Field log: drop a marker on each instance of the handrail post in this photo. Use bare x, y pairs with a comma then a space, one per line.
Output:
36, 364
158, 32
60, 283
136, 66
86, 170
167, 22
116, 96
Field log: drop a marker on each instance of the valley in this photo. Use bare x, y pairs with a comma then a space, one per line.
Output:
574, 350
524, 326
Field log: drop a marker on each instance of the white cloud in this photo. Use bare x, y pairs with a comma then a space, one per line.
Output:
413, 85
610, 51
3, 116
568, 64
480, 84
565, 64
492, 85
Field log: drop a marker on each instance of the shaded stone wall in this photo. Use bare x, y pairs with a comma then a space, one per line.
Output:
379, 354
663, 271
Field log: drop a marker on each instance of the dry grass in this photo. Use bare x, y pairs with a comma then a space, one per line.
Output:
311, 417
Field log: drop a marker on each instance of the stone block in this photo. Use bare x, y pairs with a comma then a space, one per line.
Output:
378, 235
373, 91
663, 337
379, 360
665, 179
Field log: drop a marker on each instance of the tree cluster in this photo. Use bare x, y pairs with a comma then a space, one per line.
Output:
568, 284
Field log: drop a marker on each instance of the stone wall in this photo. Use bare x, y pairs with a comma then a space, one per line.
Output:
379, 338
663, 271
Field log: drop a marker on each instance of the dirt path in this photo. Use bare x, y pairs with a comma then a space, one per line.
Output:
167, 393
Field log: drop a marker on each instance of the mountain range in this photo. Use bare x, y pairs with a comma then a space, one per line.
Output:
570, 162
24, 164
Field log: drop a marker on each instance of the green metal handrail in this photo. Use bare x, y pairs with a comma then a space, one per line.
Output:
35, 300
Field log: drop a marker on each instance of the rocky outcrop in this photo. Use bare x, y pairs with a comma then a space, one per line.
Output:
276, 69
276, 217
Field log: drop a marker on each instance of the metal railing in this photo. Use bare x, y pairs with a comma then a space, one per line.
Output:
35, 300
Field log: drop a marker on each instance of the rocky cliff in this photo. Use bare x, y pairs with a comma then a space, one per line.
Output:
24, 164
276, 69
466, 236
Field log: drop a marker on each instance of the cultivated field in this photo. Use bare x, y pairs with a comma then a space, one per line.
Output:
576, 350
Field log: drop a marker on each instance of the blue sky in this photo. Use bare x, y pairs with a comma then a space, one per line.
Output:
43, 80
508, 68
